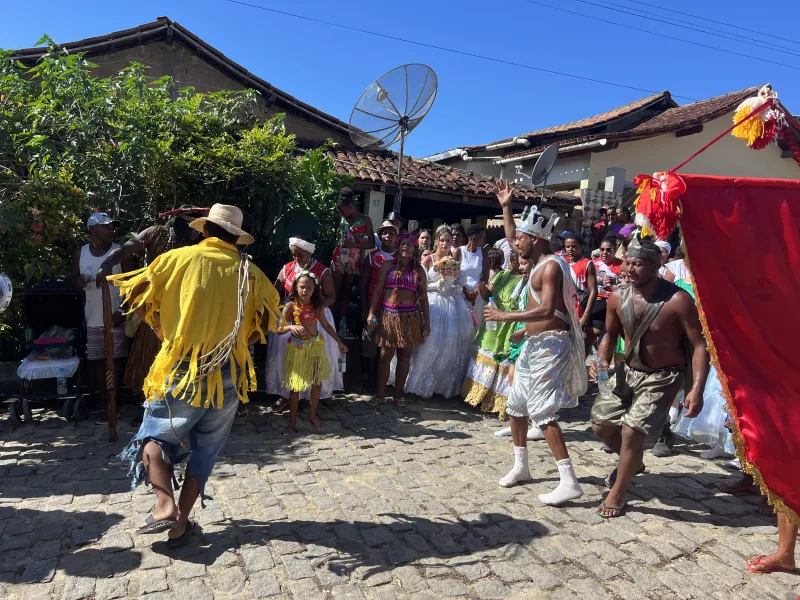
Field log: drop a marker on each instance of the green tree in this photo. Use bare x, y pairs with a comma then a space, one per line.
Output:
71, 143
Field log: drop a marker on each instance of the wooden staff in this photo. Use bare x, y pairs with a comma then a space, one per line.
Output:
108, 342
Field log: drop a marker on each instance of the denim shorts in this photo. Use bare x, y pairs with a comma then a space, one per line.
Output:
195, 433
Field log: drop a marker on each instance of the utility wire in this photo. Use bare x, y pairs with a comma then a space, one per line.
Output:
453, 51
692, 27
659, 34
685, 14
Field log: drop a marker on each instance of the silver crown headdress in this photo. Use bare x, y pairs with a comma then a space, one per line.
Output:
532, 225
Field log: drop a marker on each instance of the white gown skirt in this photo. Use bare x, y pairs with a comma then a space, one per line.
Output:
275, 355
439, 366
709, 426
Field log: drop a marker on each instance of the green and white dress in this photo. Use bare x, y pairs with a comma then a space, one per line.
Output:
486, 385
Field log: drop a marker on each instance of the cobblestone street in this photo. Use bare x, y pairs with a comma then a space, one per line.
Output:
383, 504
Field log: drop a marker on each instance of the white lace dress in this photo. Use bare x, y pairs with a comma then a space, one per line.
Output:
439, 366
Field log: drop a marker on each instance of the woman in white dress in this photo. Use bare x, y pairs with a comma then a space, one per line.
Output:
439, 366
302, 251
474, 269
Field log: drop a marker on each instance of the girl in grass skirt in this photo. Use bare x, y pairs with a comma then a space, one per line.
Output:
306, 364
400, 312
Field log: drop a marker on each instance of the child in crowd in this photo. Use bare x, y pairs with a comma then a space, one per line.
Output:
306, 365
496, 261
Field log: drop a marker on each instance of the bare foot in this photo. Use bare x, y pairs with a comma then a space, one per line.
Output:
315, 421
612, 506
772, 562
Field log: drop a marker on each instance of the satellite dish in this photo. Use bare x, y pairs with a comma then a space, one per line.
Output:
391, 108
6, 291
544, 165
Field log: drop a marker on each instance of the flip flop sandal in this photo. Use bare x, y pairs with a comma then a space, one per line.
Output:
620, 510
151, 525
612, 477
374, 401
290, 432
318, 425
183, 539
399, 402
280, 406
767, 569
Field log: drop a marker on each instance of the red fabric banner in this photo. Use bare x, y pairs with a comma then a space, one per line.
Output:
743, 244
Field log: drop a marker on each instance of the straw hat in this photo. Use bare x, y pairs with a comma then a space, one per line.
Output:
229, 218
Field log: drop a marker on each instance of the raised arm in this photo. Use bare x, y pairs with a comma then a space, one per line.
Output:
123, 254
700, 359
504, 194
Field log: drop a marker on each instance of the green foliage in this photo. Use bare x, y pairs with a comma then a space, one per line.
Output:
71, 143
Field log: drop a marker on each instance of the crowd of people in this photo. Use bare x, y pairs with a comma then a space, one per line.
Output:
510, 328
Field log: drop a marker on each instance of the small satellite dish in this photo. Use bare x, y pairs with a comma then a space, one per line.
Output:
391, 108
6, 291
544, 164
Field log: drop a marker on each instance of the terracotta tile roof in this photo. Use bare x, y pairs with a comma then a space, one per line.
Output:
165, 28
596, 120
695, 113
672, 119
380, 167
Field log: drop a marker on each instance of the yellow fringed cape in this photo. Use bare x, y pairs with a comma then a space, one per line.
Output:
194, 291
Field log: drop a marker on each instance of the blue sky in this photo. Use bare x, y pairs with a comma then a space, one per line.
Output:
478, 101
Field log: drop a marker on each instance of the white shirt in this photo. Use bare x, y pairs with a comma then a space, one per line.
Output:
89, 266
679, 269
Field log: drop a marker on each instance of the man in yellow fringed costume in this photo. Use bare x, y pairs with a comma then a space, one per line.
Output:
207, 303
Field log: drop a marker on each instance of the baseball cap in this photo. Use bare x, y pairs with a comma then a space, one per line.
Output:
565, 234
99, 218
387, 224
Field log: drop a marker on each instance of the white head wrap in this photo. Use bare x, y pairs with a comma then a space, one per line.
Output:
664, 245
302, 244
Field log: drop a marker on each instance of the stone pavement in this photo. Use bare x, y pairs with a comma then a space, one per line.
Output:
384, 504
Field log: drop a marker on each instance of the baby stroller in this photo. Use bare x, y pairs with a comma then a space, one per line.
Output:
54, 351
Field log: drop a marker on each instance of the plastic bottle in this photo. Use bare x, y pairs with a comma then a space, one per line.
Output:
603, 380
88, 274
61, 383
343, 328
491, 325
342, 363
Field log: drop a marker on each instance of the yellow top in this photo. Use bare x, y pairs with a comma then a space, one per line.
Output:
195, 292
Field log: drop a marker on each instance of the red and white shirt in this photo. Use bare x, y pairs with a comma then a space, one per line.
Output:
604, 270
376, 260
292, 270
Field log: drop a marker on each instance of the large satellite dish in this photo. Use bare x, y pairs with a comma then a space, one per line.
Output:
391, 108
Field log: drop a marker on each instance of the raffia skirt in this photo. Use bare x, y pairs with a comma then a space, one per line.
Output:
143, 352
305, 363
401, 326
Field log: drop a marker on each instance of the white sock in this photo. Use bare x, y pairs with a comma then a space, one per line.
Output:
520, 472
504, 432
535, 432
673, 414
568, 488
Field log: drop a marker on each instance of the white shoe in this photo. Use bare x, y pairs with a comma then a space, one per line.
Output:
520, 472
734, 464
504, 432
715, 452
535, 433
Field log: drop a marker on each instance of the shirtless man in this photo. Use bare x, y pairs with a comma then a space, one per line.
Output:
550, 372
655, 366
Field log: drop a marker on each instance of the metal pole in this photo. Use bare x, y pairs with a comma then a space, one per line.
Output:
398, 197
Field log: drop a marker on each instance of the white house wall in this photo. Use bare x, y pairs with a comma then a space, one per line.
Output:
729, 156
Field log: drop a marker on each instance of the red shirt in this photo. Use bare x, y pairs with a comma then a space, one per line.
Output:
603, 271
376, 260
292, 269
579, 273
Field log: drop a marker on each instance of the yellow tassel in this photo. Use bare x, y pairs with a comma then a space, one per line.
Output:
646, 231
750, 130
